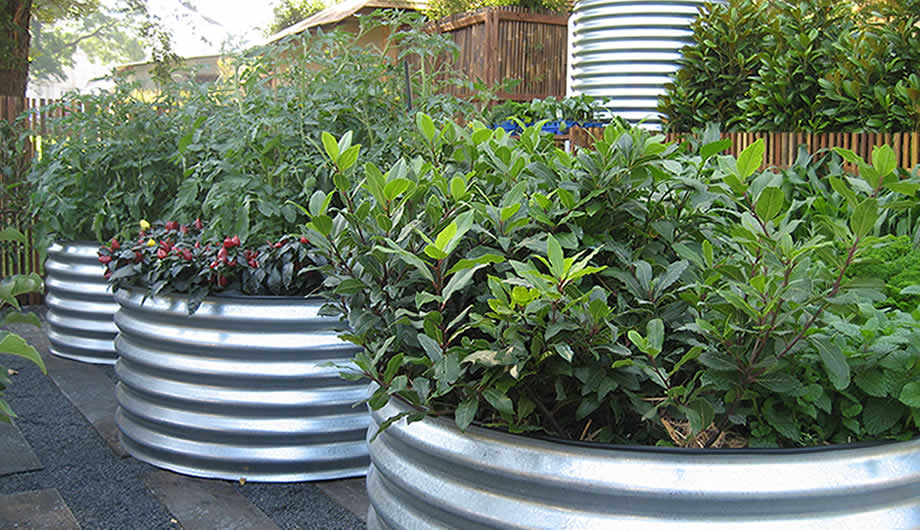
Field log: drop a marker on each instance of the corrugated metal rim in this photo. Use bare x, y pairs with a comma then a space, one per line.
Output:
240, 389
430, 475
80, 305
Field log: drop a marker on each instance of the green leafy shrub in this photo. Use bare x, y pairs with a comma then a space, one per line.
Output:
579, 108
716, 70
897, 264
799, 66
634, 293
107, 163
249, 144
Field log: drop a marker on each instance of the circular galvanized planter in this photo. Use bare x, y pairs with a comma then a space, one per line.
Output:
238, 389
80, 305
626, 50
430, 475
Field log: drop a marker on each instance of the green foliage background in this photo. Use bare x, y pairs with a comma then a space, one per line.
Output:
813, 65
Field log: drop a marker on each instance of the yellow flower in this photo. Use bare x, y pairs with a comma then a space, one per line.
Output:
144, 224
151, 243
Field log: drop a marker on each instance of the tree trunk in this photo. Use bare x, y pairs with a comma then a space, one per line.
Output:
14, 46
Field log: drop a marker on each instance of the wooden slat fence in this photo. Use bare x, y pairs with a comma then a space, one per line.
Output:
782, 148
500, 43
16, 258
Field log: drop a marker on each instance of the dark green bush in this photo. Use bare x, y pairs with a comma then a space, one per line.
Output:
800, 66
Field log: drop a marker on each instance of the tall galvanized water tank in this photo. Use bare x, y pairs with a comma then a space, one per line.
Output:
626, 50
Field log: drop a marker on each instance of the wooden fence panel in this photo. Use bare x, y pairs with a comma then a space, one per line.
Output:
501, 43
16, 258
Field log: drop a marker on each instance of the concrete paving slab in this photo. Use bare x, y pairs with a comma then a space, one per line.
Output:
17, 455
206, 504
37, 509
350, 493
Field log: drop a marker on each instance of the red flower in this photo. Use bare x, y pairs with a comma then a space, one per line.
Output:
105, 259
183, 229
172, 225
304, 240
107, 275
198, 224
187, 254
114, 244
162, 253
278, 244
222, 254
222, 281
138, 257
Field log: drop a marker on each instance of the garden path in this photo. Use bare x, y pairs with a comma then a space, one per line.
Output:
62, 466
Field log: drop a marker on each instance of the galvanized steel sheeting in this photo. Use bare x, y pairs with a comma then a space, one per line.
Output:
429, 475
80, 305
627, 50
238, 389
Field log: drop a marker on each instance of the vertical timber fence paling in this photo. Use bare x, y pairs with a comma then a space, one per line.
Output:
782, 148
16, 258
499, 43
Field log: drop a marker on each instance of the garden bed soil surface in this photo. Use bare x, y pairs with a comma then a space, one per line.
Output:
63, 466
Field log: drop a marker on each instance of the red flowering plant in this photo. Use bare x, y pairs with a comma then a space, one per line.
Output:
167, 257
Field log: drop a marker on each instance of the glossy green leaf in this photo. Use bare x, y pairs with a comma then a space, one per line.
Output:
769, 203
751, 158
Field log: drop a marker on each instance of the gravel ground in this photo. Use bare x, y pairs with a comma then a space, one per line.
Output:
107, 492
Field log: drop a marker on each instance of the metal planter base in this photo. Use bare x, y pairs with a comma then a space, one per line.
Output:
238, 389
430, 475
80, 306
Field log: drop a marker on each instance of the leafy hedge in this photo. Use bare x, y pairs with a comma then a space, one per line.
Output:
809, 65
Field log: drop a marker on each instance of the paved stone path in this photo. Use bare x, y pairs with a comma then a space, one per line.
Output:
62, 467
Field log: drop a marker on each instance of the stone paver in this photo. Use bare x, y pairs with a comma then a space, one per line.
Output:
41, 509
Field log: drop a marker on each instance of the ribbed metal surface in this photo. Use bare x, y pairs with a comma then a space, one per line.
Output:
238, 389
626, 50
429, 475
80, 305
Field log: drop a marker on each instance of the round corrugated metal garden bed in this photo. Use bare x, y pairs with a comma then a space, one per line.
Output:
239, 389
80, 305
430, 475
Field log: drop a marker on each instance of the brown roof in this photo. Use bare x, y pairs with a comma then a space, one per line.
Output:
343, 10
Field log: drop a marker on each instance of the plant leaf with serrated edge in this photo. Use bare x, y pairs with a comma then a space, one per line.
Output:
835, 362
782, 384
910, 394
879, 415
872, 382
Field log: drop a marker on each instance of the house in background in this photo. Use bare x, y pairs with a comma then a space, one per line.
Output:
343, 17
496, 43
204, 69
